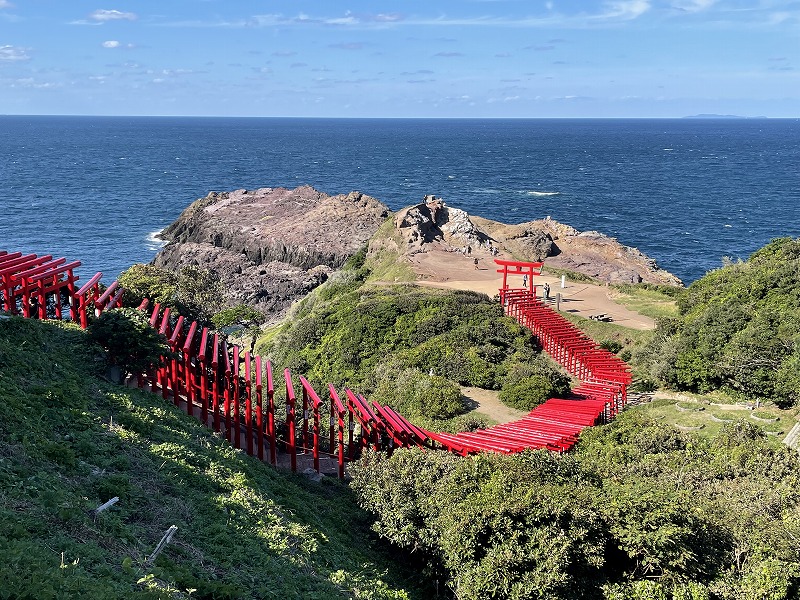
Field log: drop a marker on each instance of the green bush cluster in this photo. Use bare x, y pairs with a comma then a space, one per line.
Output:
413, 392
411, 347
128, 339
738, 329
640, 510
193, 292
532, 382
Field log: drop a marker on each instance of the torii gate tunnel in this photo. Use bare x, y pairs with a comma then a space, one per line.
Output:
233, 392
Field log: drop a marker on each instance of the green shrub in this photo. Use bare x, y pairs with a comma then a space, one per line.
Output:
241, 314
128, 339
414, 393
530, 383
738, 330
611, 345
193, 292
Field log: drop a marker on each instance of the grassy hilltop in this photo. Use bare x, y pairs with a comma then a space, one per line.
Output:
70, 441
648, 507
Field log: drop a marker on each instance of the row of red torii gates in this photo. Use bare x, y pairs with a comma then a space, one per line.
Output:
234, 392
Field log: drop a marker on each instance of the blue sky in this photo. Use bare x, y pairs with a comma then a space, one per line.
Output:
411, 58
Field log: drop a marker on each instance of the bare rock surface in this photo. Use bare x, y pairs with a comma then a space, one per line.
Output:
271, 246
433, 224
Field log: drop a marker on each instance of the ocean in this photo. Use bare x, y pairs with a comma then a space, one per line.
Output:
687, 192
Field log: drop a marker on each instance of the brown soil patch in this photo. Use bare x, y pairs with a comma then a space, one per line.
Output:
438, 266
488, 403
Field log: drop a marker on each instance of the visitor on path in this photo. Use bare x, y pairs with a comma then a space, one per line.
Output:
524, 281
476, 262
547, 291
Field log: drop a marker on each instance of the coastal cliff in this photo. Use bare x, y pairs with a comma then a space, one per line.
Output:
271, 246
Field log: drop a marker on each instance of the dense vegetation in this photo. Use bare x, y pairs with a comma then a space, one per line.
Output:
70, 442
131, 344
192, 292
639, 511
412, 347
738, 330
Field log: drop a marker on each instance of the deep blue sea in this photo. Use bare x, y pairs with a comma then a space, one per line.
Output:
686, 192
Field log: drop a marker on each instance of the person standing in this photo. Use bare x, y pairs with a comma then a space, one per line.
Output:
547, 291
524, 281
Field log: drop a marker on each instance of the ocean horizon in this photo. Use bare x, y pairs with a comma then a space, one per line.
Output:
686, 192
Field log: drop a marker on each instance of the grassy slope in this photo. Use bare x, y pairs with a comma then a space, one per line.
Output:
69, 441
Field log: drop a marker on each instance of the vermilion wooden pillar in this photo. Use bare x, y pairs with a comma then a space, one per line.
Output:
259, 409
237, 442
227, 390
175, 377
188, 370
248, 403
271, 433
217, 379
202, 357
291, 443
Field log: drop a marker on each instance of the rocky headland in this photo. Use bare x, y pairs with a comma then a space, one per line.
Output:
271, 246
432, 224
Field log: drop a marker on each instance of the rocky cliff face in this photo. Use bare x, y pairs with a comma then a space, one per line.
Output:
558, 245
271, 246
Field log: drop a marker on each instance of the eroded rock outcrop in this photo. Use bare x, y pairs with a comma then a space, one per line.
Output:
271, 246
434, 224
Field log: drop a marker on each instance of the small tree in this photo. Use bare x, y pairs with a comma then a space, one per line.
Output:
246, 317
128, 339
148, 281
199, 293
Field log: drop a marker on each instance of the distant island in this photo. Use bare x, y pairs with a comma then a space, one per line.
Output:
714, 116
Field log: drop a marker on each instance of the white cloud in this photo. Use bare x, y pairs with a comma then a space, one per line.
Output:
13, 54
6, 4
30, 82
116, 44
626, 9
693, 5
103, 15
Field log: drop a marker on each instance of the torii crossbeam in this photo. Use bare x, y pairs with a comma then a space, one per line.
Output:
517, 268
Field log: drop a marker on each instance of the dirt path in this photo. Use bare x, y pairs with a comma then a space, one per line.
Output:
439, 267
488, 403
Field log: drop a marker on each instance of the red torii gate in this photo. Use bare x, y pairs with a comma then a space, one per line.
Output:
521, 269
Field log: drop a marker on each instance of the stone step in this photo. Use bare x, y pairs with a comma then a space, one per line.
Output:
793, 437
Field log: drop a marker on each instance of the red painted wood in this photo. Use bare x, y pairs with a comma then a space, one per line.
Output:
237, 441
188, 370
259, 409
291, 443
202, 358
248, 405
271, 433
217, 381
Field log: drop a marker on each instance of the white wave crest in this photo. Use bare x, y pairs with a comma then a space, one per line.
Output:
154, 242
535, 193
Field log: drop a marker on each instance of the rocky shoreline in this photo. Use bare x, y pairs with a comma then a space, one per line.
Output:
271, 246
